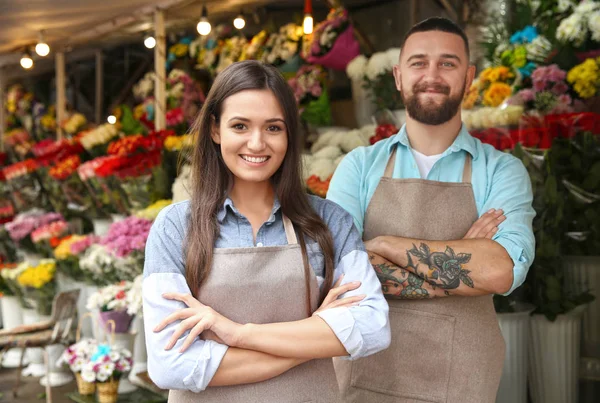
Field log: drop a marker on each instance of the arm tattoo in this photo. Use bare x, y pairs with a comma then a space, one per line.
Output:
444, 269
399, 283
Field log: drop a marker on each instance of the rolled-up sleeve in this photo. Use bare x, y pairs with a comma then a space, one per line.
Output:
363, 329
164, 272
511, 191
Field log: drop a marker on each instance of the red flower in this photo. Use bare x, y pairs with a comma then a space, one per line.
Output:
121, 295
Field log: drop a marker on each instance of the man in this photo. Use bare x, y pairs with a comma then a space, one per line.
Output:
424, 200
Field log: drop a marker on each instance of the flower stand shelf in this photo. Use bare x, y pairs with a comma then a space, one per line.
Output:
138, 396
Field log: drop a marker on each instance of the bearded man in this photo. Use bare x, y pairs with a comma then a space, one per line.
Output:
447, 222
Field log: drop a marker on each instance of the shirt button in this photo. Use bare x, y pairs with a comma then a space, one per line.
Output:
259, 244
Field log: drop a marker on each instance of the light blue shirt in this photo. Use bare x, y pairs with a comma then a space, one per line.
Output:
362, 329
499, 181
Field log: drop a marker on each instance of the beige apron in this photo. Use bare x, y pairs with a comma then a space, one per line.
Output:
444, 349
265, 285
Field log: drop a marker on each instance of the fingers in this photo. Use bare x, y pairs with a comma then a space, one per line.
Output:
337, 283
486, 223
178, 315
194, 333
181, 329
334, 293
187, 299
491, 234
347, 302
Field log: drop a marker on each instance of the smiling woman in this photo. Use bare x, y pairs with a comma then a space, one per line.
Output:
240, 279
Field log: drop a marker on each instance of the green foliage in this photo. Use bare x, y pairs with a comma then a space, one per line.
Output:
383, 91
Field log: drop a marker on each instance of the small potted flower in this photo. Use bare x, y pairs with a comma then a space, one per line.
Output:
105, 368
111, 301
77, 356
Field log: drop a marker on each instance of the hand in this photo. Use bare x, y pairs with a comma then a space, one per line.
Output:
372, 245
198, 318
332, 299
487, 225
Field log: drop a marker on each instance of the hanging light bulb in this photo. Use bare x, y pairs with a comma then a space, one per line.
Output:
26, 60
239, 21
42, 48
307, 25
112, 119
150, 42
203, 26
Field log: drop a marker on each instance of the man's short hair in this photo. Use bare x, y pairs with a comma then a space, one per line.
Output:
438, 24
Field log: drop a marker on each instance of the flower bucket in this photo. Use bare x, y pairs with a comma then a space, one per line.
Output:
345, 48
122, 320
108, 392
84, 388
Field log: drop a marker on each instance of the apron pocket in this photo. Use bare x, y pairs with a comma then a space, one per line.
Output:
417, 363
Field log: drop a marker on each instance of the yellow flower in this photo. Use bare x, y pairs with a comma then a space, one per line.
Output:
63, 250
471, 97
176, 143
38, 276
585, 78
179, 49
151, 212
496, 94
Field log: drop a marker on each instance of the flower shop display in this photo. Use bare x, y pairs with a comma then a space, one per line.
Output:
281, 49
67, 254
549, 94
107, 201
25, 185
105, 368
493, 86
76, 357
9, 275
585, 78
333, 44
309, 88
112, 304
582, 25
151, 212
38, 285
22, 227
231, 52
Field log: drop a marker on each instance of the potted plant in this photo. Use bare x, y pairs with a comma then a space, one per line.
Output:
106, 367
555, 325
76, 357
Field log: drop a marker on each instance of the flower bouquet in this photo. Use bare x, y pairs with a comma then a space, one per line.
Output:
231, 52
76, 357
549, 94
38, 285
311, 96
67, 252
254, 49
73, 123
22, 227
43, 235
106, 367
378, 78
581, 29
25, 185
98, 265
108, 201
585, 78
111, 302
333, 43
10, 285
282, 49
493, 86
95, 141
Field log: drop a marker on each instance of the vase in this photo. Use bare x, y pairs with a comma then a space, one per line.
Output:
554, 357
101, 226
363, 106
58, 375
12, 316
117, 217
515, 330
84, 388
121, 318
108, 392
125, 341
140, 355
583, 274
36, 367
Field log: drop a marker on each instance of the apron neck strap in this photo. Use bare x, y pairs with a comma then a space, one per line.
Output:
290, 234
389, 168
467, 170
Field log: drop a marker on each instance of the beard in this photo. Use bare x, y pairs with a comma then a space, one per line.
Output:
429, 112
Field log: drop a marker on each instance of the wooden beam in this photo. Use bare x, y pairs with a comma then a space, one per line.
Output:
449, 9
414, 12
160, 71
61, 97
99, 103
2, 112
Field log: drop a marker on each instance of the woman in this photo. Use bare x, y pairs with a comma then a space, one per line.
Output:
234, 276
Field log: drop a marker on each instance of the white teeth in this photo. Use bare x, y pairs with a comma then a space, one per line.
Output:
254, 159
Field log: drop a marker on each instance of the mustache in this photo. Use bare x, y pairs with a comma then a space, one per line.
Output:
437, 87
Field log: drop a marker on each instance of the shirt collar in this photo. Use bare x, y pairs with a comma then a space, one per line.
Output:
464, 141
229, 207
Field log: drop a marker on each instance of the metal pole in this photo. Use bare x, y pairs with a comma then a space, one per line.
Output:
160, 71
99, 86
60, 93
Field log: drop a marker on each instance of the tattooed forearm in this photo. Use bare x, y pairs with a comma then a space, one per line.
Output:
399, 283
443, 269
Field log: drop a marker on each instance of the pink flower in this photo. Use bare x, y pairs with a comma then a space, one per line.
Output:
565, 99
554, 73
539, 86
560, 87
527, 95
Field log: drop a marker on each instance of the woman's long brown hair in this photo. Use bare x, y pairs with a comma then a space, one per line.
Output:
211, 179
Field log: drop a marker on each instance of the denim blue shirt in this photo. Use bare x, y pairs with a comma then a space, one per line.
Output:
499, 181
362, 329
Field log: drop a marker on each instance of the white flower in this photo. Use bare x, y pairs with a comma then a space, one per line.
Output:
564, 5
539, 49
594, 25
378, 64
586, 7
357, 67
353, 139
329, 152
393, 57
339, 159
323, 168
572, 29
88, 376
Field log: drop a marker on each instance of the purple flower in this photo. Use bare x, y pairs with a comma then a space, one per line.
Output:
555, 74
560, 87
539, 86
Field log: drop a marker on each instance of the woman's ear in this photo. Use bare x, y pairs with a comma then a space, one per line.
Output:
214, 130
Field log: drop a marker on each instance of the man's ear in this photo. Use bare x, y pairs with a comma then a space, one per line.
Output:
215, 133
470, 76
398, 77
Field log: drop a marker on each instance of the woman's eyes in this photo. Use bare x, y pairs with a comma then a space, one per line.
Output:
241, 126
274, 129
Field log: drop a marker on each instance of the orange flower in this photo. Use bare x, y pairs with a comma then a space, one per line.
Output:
496, 94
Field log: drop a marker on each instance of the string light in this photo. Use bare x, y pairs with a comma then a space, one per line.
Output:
239, 21
150, 42
307, 24
26, 60
42, 48
203, 26
112, 119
